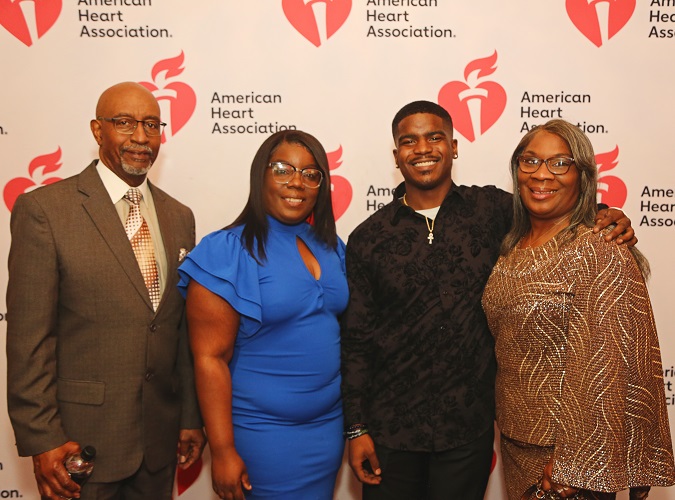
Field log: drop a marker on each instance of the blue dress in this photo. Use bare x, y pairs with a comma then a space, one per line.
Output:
286, 406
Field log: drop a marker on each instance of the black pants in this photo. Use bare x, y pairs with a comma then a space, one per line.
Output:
461, 473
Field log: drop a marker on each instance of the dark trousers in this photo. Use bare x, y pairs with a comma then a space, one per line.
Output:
143, 485
461, 473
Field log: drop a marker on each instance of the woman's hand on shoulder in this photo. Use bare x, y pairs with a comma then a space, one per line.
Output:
229, 475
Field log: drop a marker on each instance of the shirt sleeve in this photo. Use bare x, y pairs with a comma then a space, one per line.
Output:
611, 408
505, 207
341, 251
357, 329
190, 413
32, 300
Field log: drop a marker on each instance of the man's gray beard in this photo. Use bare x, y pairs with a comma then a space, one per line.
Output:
131, 170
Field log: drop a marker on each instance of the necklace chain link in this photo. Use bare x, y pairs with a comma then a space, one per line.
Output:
531, 243
430, 226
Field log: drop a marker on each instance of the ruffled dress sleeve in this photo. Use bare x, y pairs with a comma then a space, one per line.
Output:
222, 265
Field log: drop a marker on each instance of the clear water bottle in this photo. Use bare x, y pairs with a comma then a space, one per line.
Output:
81, 465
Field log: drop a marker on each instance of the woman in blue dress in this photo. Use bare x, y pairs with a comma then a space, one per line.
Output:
263, 299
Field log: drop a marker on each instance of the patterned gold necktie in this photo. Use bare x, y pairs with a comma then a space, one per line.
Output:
139, 235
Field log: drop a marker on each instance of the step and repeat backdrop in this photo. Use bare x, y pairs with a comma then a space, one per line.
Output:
229, 73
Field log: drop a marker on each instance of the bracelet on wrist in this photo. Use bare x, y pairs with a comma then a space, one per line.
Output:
355, 430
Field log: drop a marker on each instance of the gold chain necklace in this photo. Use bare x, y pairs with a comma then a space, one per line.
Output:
531, 243
430, 226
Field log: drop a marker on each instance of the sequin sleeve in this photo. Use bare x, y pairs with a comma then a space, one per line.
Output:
612, 426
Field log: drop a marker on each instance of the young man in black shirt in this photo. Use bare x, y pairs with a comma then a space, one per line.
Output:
417, 354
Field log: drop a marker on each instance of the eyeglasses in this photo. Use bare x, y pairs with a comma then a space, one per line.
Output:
127, 126
283, 173
557, 165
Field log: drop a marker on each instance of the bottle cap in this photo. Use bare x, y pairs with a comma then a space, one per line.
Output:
88, 453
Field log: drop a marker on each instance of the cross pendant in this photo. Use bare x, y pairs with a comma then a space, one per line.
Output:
430, 238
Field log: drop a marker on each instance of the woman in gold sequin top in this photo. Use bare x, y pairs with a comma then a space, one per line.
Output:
579, 392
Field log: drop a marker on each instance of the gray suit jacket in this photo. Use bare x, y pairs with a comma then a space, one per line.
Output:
87, 357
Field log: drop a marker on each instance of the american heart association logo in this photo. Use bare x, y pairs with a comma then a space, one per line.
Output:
38, 171
186, 478
475, 101
317, 20
612, 190
584, 15
341, 188
176, 99
29, 20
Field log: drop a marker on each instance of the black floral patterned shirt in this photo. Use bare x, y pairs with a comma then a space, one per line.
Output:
417, 355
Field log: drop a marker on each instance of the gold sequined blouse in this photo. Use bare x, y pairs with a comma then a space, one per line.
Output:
579, 365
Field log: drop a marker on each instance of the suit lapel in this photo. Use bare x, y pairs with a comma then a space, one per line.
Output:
104, 216
167, 219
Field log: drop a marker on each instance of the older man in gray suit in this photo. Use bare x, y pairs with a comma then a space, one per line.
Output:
97, 351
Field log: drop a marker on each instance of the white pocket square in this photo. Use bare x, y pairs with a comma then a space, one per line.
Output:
182, 253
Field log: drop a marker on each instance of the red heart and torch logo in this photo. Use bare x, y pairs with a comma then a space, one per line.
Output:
29, 20
317, 20
341, 188
176, 99
612, 190
476, 103
592, 17
38, 175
